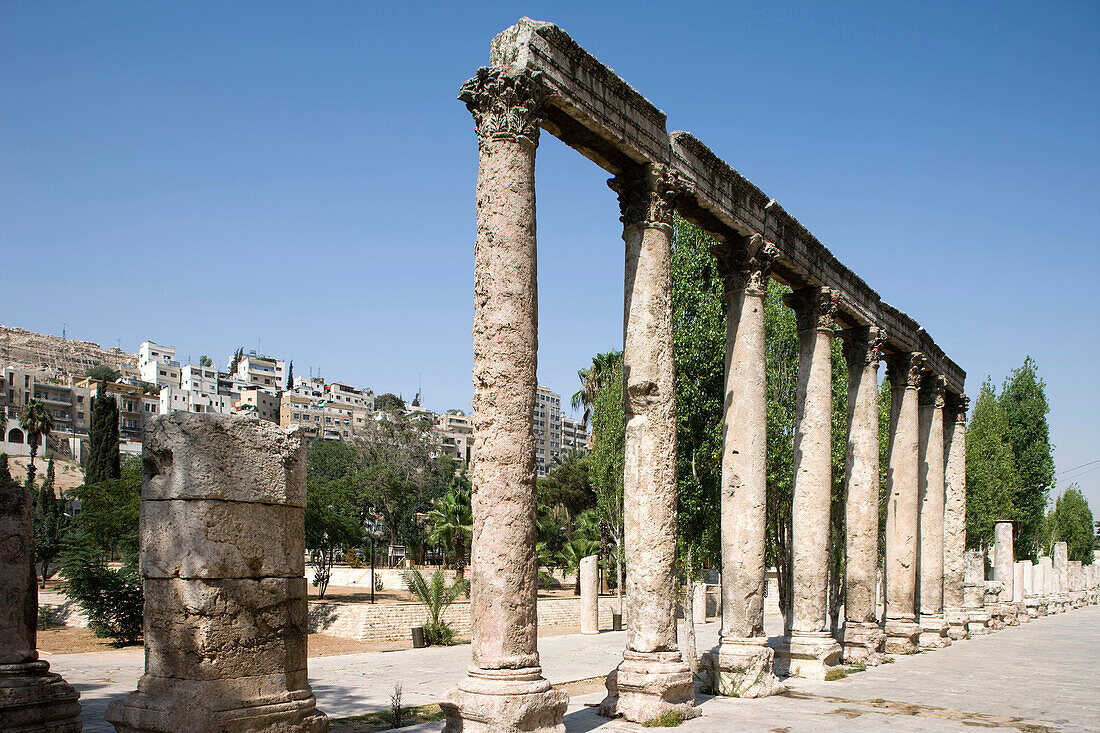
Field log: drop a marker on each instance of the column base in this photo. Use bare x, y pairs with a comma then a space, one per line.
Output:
742, 668
809, 655
35, 700
242, 705
1035, 607
956, 619
933, 632
646, 685
902, 636
864, 643
978, 622
504, 701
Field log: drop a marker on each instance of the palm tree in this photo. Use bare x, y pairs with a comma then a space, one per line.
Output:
452, 523
435, 595
37, 424
571, 555
592, 379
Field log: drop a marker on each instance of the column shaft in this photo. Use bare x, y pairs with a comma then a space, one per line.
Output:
931, 492
954, 510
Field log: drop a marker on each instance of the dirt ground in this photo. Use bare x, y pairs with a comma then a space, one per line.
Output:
77, 640
359, 594
66, 475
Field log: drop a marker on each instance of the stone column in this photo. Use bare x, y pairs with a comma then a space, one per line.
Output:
653, 677
931, 491
699, 602
742, 664
1046, 571
504, 688
974, 592
1003, 558
222, 561
864, 640
32, 698
954, 514
904, 371
1061, 574
590, 597
1018, 581
810, 649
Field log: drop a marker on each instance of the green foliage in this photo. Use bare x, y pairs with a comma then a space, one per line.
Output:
991, 478
112, 599
45, 618
290, 376
389, 402
103, 456
50, 522
205, 361
109, 515
667, 719
1070, 522
238, 356
452, 523
436, 596
1024, 404
607, 458
334, 505
568, 486
103, 373
37, 423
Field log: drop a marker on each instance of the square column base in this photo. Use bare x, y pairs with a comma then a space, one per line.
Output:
504, 701
646, 685
863, 643
242, 705
742, 668
933, 632
807, 655
957, 620
902, 636
33, 699
978, 622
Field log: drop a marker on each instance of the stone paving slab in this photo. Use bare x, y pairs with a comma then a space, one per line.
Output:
1040, 677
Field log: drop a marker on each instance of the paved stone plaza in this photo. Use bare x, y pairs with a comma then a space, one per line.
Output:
1037, 677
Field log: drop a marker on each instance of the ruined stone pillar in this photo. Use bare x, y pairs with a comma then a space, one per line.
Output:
864, 640
1003, 558
1018, 581
653, 677
222, 560
931, 490
504, 689
1061, 573
974, 592
904, 371
32, 698
1046, 571
810, 649
742, 663
699, 602
954, 515
590, 595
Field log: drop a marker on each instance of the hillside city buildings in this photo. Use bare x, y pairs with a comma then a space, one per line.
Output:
155, 383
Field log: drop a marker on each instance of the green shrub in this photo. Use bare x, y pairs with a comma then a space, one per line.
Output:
45, 618
112, 598
667, 719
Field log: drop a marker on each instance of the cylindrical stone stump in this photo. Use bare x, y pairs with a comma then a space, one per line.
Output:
974, 592
1061, 568
699, 603
222, 558
32, 698
590, 594
1003, 559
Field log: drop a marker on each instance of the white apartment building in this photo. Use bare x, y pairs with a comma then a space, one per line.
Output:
157, 365
320, 418
574, 435
547, 424
202, 379
264, 403
263, 372
455, 434
176, 399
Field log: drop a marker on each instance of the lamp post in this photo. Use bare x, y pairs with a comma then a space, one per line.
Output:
374, 535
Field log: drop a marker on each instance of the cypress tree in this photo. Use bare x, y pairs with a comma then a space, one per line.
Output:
103, 457
290, 376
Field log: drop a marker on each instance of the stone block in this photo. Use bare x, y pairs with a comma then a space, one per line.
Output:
809, 656
864, 644
742, 669
902, 636
933, 632
233, 458
646, 685
504, 701
221, 539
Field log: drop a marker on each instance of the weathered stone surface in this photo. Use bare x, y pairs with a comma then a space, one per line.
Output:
742, 669
1004, 560
647, 685
239, 458
35, 700
1046, 569
1018, 581
699, 602
807, 655
931, 493
504, 701
954, 508
221, 539
864, 643
590, 599
1061, 568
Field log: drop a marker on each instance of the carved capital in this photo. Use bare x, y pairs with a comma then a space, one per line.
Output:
647, 194
814, 308
746, 267
504, 106
933, 391
906, 370
958, 404
863, 346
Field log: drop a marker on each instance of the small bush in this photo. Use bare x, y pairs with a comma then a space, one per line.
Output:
836, 673
45, 618
440, 634
378, 582
112, 599
667, 719
396, 711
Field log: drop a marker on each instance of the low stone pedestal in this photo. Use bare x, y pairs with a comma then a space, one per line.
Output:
957, 620
864, 643
807, 655
742, 668
902, 636
504, 701
933, 632
1021, 612
1035, 607
34, 699
979, 622
647, 685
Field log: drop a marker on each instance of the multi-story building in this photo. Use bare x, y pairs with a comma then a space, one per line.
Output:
262, 371
547, 425
67, 403
455, 433
574, 435
320, 418
195, 378
175, 399
135, 407
157, 365
344, 394
264, 403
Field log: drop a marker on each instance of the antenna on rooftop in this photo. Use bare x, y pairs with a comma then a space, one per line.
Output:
63, 326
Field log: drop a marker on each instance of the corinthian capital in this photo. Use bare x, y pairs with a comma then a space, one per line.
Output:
863, 346
958, 404
934, 388
814, 308
504, 106
647, 194
746, 267
906, 369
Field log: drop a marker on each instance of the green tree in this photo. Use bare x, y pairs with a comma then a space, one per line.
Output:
50, 523
238, 356
37, 423
290, 376
103, 457
452, 524
568, 486
607, 458
205, 361
991, 478
591, 380
1071, 522
335, 509
436, 596
108, 519
1024, 404
103, 373
389, 402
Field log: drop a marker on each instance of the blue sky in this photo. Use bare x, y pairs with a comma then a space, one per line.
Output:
299, 178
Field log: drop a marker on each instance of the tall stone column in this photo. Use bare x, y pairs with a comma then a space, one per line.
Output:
954, 514
1061, 575
1003, 559
1046, 573
222, 562
653, 677
905, 372
32, 698
864, 640
742, 663
931, 491
810, 649
504, 689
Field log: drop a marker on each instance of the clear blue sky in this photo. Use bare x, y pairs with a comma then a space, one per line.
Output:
299, 178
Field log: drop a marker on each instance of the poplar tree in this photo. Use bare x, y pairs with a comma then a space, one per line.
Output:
991, 478
104, 462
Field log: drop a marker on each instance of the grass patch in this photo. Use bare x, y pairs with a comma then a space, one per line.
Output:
667, 719
383, 719
836, 673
